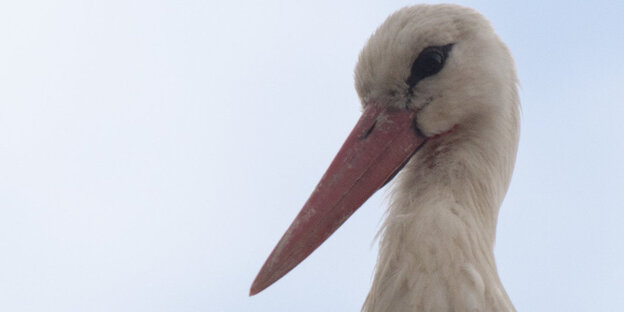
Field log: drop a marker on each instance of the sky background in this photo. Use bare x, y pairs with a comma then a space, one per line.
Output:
152, 153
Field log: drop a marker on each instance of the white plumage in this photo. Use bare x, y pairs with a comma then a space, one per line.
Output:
439, 93
436, 250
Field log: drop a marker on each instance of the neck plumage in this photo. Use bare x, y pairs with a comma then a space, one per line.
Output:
436, 250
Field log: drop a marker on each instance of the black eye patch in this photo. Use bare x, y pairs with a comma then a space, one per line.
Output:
428, 63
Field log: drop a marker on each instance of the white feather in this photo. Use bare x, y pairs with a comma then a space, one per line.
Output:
436, 248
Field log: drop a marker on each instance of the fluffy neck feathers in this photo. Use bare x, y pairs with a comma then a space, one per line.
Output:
436, 250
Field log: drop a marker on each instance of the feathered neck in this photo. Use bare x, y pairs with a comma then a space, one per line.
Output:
436, 249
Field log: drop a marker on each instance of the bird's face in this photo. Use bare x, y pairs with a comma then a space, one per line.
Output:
444, 61
426, 71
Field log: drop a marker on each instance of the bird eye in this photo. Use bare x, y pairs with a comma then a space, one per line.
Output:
429, 62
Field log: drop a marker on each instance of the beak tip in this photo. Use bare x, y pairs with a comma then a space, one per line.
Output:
254, 290
257, 286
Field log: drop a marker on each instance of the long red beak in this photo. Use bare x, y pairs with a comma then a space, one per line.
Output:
382, 141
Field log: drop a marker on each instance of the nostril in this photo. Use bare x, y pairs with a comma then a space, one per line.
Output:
369, 131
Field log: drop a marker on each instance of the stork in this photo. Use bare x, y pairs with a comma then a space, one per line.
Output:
441, 113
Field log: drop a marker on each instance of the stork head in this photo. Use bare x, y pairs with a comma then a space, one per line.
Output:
443, 60
428, 71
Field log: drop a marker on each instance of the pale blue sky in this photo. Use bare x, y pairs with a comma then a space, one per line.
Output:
153, 152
